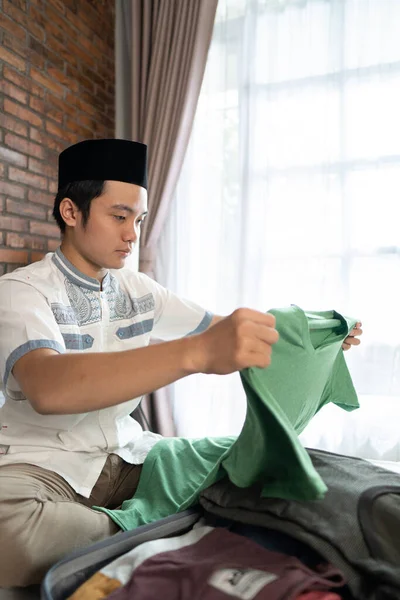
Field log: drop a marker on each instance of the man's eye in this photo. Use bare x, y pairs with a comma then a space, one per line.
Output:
119, 217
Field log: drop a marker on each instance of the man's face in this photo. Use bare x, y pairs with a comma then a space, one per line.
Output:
113, 227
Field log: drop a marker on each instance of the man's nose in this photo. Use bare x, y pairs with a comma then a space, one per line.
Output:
131, 234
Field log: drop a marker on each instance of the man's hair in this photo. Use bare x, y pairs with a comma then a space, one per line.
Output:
81, 193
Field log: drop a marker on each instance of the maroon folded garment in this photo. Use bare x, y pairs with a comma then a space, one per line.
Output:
222, 565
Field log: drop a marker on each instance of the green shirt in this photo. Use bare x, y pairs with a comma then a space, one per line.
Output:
307, 371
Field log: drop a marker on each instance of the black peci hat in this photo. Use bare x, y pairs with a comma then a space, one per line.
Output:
106, 159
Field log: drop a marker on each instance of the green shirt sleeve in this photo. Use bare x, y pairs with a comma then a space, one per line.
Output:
340, 389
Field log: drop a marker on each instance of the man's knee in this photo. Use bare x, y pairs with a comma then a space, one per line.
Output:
21, 561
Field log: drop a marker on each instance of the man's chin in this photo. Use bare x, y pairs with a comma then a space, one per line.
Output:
119, 261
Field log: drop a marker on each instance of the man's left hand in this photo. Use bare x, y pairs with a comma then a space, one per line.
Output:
353, 337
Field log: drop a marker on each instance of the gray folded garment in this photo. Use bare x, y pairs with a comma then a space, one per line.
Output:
355, 527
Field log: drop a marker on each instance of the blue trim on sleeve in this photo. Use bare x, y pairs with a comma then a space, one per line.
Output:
203, 325
124, 333
24, 349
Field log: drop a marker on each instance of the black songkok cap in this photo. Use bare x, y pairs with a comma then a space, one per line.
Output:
112, 159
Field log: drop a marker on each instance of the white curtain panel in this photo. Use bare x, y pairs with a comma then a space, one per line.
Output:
290, 194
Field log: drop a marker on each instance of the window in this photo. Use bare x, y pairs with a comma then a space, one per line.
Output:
290, 191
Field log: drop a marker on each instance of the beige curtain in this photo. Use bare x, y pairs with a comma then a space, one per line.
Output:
170, 42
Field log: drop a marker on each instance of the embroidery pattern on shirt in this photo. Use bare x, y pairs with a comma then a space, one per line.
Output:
64, 315
84, 302
124, 307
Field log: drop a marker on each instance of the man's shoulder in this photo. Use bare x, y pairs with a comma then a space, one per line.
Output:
34, 274
132, 280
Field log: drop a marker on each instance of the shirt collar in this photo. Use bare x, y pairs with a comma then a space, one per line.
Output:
75, 276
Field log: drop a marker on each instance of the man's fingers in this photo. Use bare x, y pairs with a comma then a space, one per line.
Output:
260, 359
357, 331
255, 316
266, 334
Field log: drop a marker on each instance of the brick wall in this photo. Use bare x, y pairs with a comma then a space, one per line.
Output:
56, 88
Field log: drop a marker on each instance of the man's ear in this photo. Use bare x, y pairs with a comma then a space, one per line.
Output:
69, 212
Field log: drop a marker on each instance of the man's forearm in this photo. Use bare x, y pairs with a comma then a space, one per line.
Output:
78, 383
216, 319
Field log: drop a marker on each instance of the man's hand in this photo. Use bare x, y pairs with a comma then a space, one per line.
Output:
243, 339
353, 337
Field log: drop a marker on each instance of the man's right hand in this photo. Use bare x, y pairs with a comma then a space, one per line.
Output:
243, 339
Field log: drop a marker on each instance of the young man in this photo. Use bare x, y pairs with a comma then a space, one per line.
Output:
75, 360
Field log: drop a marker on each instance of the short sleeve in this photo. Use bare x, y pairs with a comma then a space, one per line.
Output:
341, 389
26, 323
175, 317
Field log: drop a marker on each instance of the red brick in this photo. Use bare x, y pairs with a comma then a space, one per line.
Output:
52, 245
59, 22
53, 113
13, 267
12, 59
93, 18
43, 168
53, 187
14, 240
14, 256
63, 78
57, 89
21, 4
23, 19
81, 105
91, 76
11, 124
60, 48
58, 5
46, 229
35, 59
24, 146
14, 44
11, 90
37, 104
25, 208
11, 189
41, 197
46, 53
78, 24
23, 81
80, 53
12, 157
61, 105
22, 113
40, 4
47, 141
91, 48
13, 223
38, 17
54, 90
60, 132
12, 27
31, 179
35, 256
79, 129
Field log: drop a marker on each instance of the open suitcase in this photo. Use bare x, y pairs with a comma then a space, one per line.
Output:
67, 575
